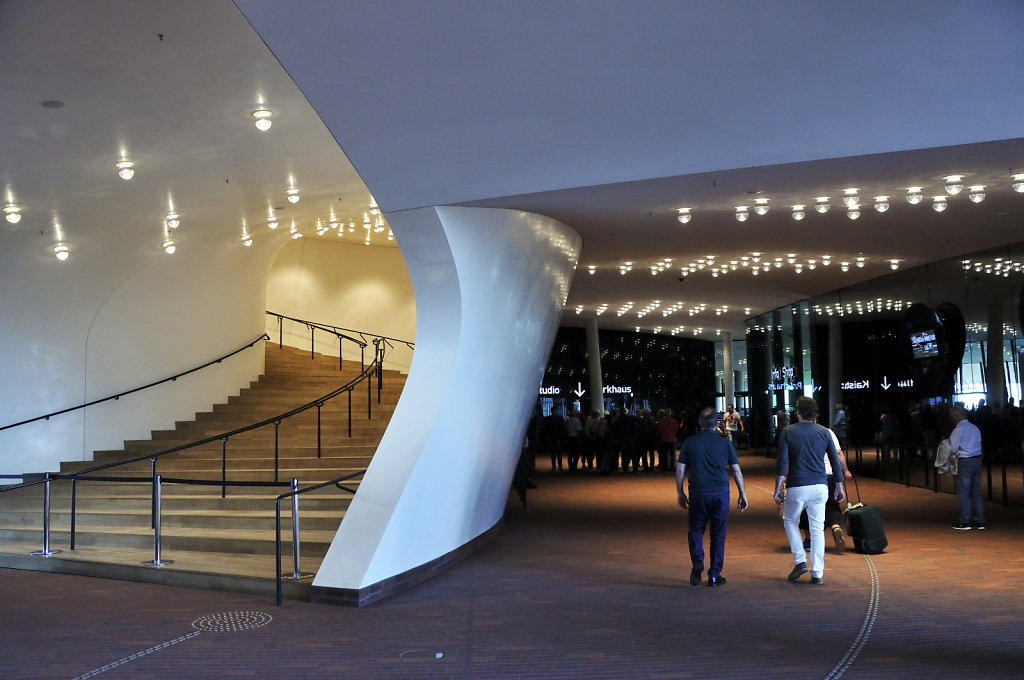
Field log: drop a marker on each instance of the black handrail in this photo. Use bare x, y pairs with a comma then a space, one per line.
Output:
137, 389
347, 387
338, 329
337, 482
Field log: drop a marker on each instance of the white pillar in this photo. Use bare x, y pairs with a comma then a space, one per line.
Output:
994, 376
835, 371
594, 366
727, 376
490, 286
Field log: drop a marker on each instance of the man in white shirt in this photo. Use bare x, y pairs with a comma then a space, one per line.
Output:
965, 443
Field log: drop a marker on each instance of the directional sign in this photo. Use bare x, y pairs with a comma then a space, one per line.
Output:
885, 383
579, 391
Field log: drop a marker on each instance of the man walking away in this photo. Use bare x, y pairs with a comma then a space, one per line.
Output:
801, 468
709, 459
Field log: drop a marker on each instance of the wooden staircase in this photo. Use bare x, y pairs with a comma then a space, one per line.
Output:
217, 543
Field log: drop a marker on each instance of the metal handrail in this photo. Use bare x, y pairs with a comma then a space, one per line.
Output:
115, 397
339, 329
294, 494
348, 387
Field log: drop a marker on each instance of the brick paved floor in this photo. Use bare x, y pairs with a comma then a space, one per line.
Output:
589, 582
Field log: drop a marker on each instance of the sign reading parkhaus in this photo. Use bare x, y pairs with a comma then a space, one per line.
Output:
607, 389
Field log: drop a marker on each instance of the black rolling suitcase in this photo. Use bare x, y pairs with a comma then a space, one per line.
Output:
865, 526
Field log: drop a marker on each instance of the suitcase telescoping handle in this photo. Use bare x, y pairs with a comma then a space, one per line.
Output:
855, 486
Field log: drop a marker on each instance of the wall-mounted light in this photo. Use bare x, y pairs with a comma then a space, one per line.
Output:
826, 260
850, 197
684, 215
954, 184
294, 231
262, 119
168, 246
293, 195
881, 203
125, 169
976, 193
741, 213
761, 206
861, 261
12, 213
894, 264
271, 220
798, 212
939, 203
844, 266
61, 251
1018, 184
821, 204
914, 195
172, 220
853, 211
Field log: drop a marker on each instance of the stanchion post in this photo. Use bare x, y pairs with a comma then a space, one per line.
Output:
46, 552
156, 561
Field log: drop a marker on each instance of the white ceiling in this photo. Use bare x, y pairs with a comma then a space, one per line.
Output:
607, 116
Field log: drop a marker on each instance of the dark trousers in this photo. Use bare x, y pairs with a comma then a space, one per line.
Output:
713, 509
666, 456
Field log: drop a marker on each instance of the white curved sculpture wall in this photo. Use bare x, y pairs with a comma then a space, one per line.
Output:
490, 285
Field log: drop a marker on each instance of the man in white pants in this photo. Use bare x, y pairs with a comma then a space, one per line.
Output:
801, 470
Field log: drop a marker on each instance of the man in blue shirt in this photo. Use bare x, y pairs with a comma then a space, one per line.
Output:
801, 469
965, 443
709, 459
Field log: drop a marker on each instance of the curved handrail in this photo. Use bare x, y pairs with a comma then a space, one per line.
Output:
366, 373
337, 331
137, 389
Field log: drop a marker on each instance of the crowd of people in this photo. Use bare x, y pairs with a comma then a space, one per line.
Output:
615, 441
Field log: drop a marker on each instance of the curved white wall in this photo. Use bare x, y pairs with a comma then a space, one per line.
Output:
490, 285
97, 325
344, 284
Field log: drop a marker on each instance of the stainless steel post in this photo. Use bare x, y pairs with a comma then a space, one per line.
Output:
46, 521
156, 561
295, 530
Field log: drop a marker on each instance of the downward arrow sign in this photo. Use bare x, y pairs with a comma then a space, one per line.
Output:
885, 382
579, 391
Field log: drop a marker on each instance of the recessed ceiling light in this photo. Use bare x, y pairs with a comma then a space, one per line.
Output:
12, 213
262, 119
125, 169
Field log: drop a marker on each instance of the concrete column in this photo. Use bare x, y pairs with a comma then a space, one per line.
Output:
594, 366
994, 377
835, 371
727, 376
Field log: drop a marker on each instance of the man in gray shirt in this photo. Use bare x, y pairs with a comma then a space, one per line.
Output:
801, 470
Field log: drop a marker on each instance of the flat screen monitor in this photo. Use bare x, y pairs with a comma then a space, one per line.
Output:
923, 344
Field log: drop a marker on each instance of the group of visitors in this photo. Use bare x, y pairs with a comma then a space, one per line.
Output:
617, 441
803, 486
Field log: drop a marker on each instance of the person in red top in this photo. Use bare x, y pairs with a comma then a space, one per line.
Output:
667, 428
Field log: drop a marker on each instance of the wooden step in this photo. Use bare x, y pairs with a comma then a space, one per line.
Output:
228, 542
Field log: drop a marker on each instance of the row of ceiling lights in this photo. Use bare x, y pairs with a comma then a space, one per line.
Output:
693, 309
1000, 266
755, 262
125, 168
851, 199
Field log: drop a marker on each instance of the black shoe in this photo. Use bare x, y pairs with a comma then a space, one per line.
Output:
715, 581
817, 581
807, 544
980, 526
798, 571
960, 526
698, 569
